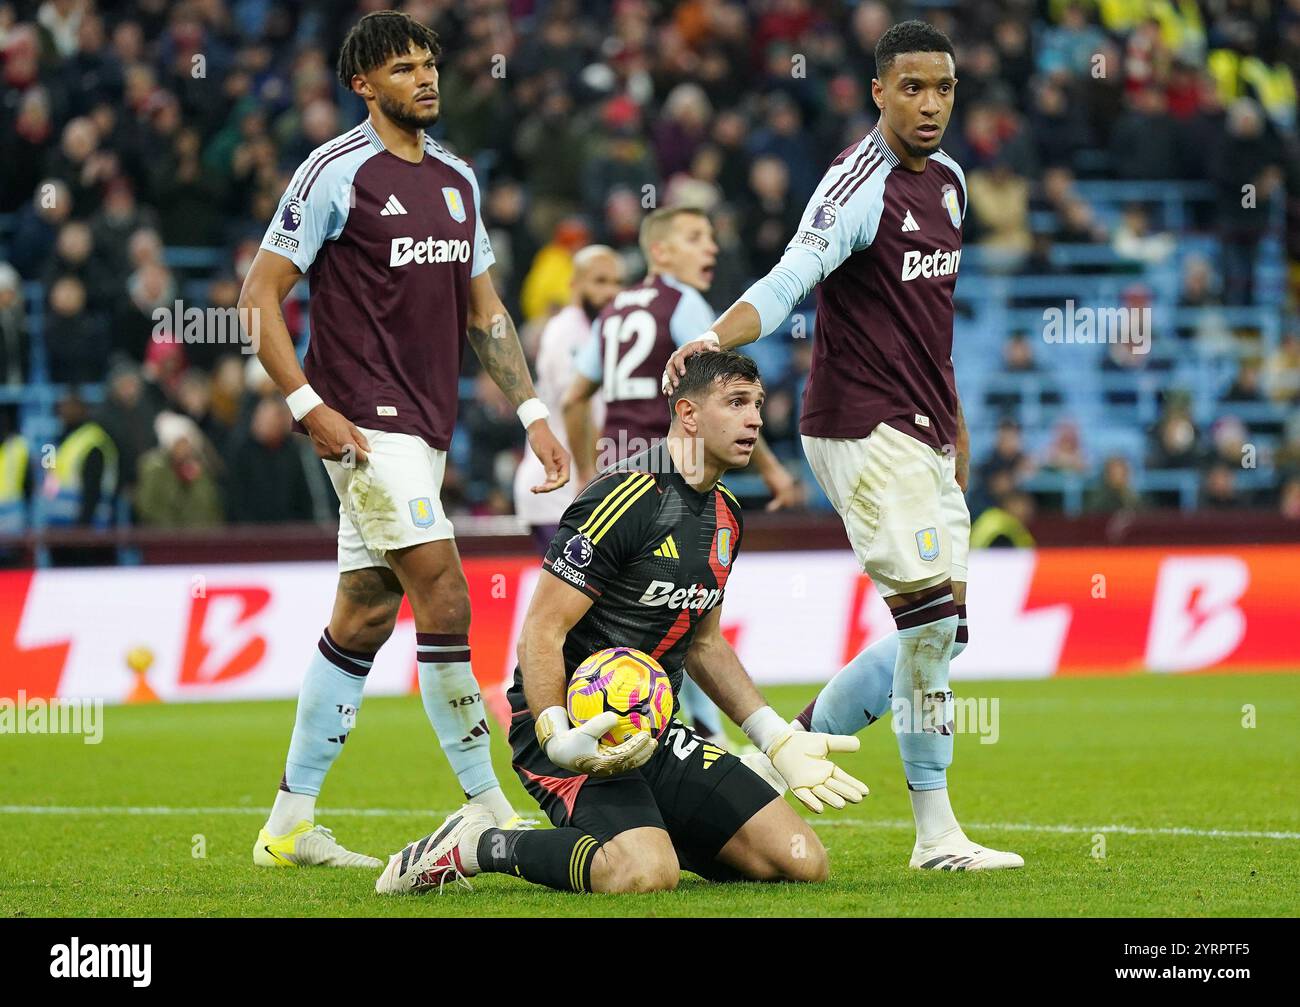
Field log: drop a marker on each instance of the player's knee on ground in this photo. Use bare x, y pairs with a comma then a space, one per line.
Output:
806, 860
803, 859
642, 860
777, 845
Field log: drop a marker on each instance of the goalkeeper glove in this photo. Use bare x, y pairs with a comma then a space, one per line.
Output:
800, 758
579, 750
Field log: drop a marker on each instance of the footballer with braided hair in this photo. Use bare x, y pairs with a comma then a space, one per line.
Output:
386, 225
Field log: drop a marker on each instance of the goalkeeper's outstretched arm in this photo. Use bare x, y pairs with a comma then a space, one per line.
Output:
799, 757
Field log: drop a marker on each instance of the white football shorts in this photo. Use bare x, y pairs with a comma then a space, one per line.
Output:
391, 500
905, 515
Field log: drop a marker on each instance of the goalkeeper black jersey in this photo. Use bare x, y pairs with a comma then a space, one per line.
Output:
652, 553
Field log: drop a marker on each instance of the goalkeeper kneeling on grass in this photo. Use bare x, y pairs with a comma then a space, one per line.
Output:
630, 817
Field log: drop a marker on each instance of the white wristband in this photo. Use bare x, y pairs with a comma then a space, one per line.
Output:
532, 411
763, 727
711, 335
302, 400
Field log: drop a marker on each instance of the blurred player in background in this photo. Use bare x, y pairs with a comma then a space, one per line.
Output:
597, 276
880, 241
387, 225
623, 360
630, 817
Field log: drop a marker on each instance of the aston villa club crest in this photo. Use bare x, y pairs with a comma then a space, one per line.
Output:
951, 204
927, 543
421, 512
724, 546
455, 205
579, 550
291, 217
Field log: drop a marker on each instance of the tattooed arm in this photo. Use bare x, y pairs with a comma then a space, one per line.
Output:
494, 339
492, 334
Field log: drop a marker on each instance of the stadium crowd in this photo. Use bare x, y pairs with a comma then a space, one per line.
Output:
144, 146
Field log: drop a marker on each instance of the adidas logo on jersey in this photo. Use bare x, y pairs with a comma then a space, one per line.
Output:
392, 208
935, 264
909, 223
666, 593
668, 549
408, 250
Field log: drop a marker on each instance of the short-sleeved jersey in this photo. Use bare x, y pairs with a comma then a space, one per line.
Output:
883, 244
632, 339
652, 553
389, 248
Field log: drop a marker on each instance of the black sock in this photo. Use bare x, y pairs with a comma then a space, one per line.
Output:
557, 858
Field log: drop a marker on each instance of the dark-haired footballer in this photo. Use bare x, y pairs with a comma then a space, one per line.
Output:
387, 227
642, 560
880, 240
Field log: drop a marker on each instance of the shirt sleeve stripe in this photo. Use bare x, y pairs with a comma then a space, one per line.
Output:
847, 177
857, 183
843, 200
305, 190
730, 495
314, 158
612, 501
644, 488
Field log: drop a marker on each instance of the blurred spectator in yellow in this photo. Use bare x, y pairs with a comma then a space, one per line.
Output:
1000, 201
546, 287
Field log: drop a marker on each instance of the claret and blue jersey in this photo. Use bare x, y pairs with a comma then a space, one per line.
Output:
882, 245
389, 248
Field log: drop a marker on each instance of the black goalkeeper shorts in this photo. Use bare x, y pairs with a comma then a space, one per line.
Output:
698, 793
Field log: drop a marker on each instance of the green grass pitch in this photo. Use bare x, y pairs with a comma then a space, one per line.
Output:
1143, 795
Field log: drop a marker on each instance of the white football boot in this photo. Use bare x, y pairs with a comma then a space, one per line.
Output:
439, 858
307, 845
955, 852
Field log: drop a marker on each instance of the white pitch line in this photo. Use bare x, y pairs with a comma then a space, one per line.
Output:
1127, 830
862, 823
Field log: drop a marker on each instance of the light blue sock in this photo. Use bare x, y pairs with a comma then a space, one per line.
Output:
327, 711
860, 692
698, 709
922, 702
455, 708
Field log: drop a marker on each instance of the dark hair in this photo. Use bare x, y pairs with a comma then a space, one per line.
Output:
909, 36
377, 38
704, 369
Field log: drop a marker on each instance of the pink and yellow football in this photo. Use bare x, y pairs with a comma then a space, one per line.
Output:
626, 682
